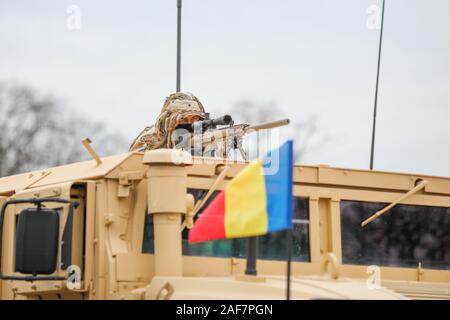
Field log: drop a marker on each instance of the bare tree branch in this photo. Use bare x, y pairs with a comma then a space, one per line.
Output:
38, 132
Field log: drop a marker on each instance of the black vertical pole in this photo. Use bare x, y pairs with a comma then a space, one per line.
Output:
289, 258
372, 150
252, 242
252, 251
178, 44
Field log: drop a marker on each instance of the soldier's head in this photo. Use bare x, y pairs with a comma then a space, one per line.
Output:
179, 109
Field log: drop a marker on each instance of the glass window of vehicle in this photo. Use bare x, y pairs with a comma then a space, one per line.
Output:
271, 246
148, 245
402, 237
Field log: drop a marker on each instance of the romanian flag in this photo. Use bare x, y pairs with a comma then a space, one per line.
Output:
257, 201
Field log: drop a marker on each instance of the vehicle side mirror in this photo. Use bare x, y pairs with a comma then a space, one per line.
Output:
37, 236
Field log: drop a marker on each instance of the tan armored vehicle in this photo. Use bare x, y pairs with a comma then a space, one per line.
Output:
114, 228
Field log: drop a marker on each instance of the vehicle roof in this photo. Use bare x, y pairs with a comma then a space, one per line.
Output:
74, 171
313, 174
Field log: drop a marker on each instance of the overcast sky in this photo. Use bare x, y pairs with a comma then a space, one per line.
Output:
309, 57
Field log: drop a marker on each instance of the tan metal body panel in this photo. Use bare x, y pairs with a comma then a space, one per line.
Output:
76, 171
116, 200
269, 288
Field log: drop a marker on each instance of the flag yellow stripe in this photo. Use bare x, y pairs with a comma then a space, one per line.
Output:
245, 203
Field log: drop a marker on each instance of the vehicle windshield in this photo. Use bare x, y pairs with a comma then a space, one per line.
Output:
271, 246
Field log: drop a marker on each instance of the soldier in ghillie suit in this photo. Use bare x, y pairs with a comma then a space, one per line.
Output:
179, 109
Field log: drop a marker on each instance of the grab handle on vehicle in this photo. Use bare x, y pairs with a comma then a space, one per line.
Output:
417, 188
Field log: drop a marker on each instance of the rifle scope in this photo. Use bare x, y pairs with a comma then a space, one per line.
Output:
212, 123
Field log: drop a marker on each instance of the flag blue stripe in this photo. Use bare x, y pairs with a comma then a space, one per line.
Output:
279, 197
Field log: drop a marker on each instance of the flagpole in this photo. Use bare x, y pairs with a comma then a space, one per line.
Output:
252, 251
252, 242
289, 258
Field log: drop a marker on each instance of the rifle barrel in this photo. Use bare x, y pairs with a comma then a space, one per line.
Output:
270, 125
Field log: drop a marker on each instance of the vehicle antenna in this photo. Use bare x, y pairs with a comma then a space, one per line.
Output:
178, 44
372, 150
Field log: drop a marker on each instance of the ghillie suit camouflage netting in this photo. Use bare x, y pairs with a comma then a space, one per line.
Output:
176, 108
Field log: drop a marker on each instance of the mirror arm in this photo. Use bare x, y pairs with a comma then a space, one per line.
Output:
33, 278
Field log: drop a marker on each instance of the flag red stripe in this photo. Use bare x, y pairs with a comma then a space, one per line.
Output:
211, 223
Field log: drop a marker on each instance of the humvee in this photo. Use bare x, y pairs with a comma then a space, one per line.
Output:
115, 228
